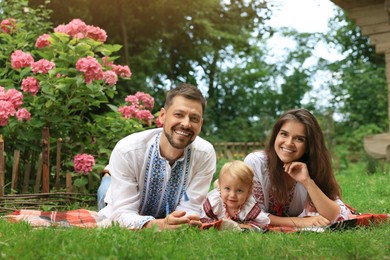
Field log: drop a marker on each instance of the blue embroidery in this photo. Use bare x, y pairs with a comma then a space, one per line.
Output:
156, 201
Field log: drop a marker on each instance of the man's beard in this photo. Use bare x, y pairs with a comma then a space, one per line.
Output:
176, 145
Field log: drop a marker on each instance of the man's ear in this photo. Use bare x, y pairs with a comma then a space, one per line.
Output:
162, 115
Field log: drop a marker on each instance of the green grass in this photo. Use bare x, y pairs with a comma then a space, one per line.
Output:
368, 193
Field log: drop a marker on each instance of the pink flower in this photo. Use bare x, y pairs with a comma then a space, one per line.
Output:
122, 71
132, 99
42, 66
79, 29
77, 26
15, 97
128, 111
6, 111
3, 93
144, 115
110, 77
61, 29
91, 68
23, 114
73, 28
96, 33
30, 84
83, 163
146, 100
43, 41
79, 36
8, 25
19, 59
107, 63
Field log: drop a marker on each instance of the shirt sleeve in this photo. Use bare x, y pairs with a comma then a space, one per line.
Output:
203, 168
212, 208
343, 215
125, 195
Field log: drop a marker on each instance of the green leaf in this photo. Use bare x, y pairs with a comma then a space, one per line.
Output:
113, 107
80, 182
82, 48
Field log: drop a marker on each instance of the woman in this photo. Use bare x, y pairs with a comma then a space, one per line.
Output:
294, 180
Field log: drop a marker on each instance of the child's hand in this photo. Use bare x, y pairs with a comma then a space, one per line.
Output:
245, 226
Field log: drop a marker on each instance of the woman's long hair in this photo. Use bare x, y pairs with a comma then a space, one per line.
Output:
316, 157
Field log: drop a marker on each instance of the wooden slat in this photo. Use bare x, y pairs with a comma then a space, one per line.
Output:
367, 11
375, 29
380, 38
387, 59
58, 164
2, 166
45, 160
27, 172
352, 4
69, 186
371, 20
15, 171
382, 47
38, 177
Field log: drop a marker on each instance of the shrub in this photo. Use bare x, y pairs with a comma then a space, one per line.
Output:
60, 80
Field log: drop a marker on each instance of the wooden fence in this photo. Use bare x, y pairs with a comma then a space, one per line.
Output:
236, 150
41, 196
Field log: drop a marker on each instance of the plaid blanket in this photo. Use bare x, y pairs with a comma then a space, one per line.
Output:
72, 218
356, 220
89, 219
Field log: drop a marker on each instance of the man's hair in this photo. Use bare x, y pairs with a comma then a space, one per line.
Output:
187, 91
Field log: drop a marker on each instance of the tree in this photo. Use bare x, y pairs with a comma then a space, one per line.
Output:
166, 42
358, 84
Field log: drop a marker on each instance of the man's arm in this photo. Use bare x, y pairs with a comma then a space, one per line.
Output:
125, 194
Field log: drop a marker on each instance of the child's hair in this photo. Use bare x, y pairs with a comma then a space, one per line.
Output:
239, 170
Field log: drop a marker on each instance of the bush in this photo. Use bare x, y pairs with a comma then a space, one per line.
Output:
60, 80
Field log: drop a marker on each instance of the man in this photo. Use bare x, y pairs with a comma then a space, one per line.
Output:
162, 176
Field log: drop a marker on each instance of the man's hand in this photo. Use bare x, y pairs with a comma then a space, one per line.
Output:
175, 220
194, 221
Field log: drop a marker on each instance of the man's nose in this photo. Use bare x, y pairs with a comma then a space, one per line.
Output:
186, 122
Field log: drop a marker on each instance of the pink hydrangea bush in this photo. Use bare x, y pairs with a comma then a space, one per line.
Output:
58, 78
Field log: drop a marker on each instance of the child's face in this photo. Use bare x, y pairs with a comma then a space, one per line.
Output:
234, 192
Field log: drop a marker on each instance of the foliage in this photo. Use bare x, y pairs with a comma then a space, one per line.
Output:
167, 42
66, 77
358, 85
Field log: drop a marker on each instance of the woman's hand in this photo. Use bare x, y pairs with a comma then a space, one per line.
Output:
298, 171
312, 221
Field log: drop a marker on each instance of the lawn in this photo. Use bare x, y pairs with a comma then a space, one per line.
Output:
368, 193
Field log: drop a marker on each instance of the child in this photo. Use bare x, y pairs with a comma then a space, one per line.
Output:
233, 199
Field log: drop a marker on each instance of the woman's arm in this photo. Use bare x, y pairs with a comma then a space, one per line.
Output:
318, 221
325, 206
